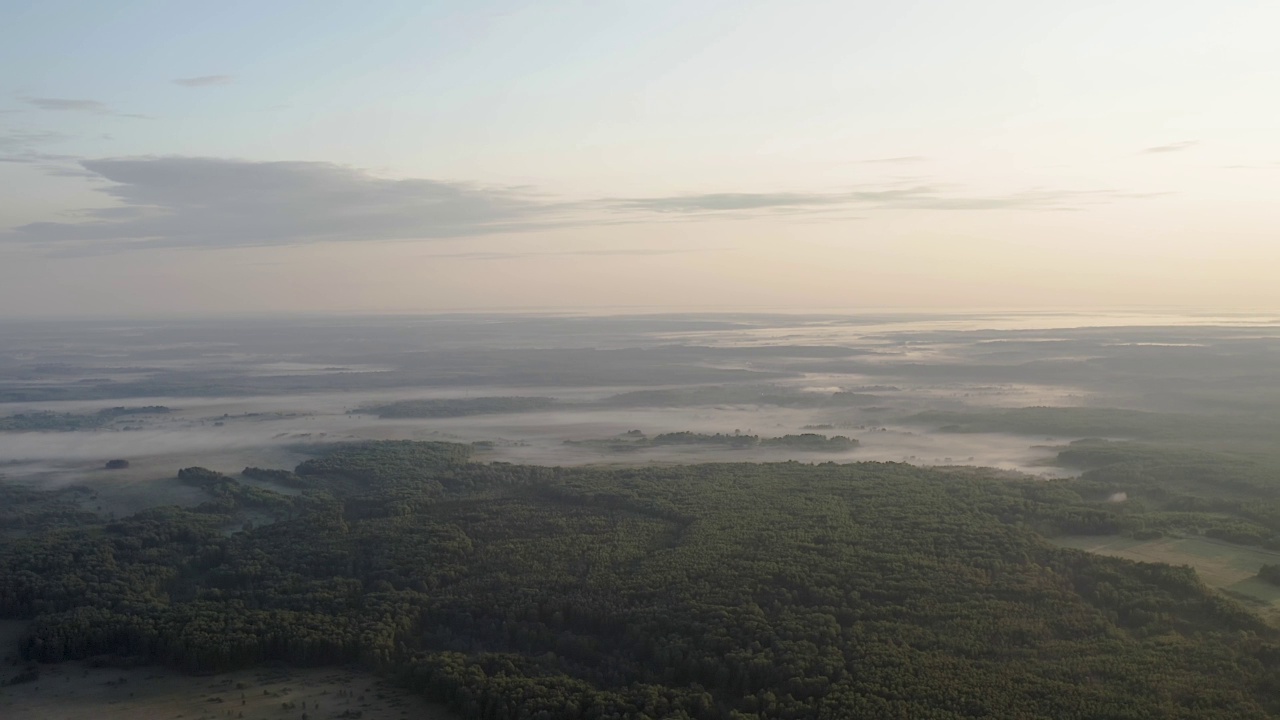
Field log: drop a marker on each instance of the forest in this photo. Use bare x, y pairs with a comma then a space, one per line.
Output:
737, 590
66, 422
636, 440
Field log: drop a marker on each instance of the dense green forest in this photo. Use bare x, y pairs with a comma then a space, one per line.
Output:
45, 421
637, 440
1212, 476
783, 590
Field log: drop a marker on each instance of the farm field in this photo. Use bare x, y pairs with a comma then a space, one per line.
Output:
1232, 568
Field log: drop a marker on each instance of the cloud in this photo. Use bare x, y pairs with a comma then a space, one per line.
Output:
1171, 147
921, 197
69, 105
31, 157
720, 202
93, 107
22, 147
18, 139
204, 81
895, 160
219, 203
208, 202
622, 252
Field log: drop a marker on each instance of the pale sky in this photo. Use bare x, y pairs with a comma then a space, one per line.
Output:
200, 158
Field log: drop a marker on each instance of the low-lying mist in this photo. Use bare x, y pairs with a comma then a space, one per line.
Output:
573, 391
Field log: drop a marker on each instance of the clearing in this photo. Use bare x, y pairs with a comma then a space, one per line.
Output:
1231, 568
73, 691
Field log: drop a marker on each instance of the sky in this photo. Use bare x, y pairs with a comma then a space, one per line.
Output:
194, 158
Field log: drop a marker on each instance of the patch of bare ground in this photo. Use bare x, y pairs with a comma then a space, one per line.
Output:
72, 691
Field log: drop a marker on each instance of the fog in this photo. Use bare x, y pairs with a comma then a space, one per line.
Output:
271, 393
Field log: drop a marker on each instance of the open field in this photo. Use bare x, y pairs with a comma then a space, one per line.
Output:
72, 691
1228, 567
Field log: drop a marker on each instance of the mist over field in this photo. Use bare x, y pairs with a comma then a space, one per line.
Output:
954, 389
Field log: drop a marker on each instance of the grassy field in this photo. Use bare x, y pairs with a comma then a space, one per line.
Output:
1228, 567
72, 691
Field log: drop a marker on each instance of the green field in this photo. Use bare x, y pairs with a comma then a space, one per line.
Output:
1221, 565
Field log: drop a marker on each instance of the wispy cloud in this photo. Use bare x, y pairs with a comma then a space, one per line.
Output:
207, 202
213, 203
726, 202
69, 105
20, 139
21, 146
78, 105
30, 156
619, 252
1265, 166
1171, 147
900, 160
919, 197
204, 81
